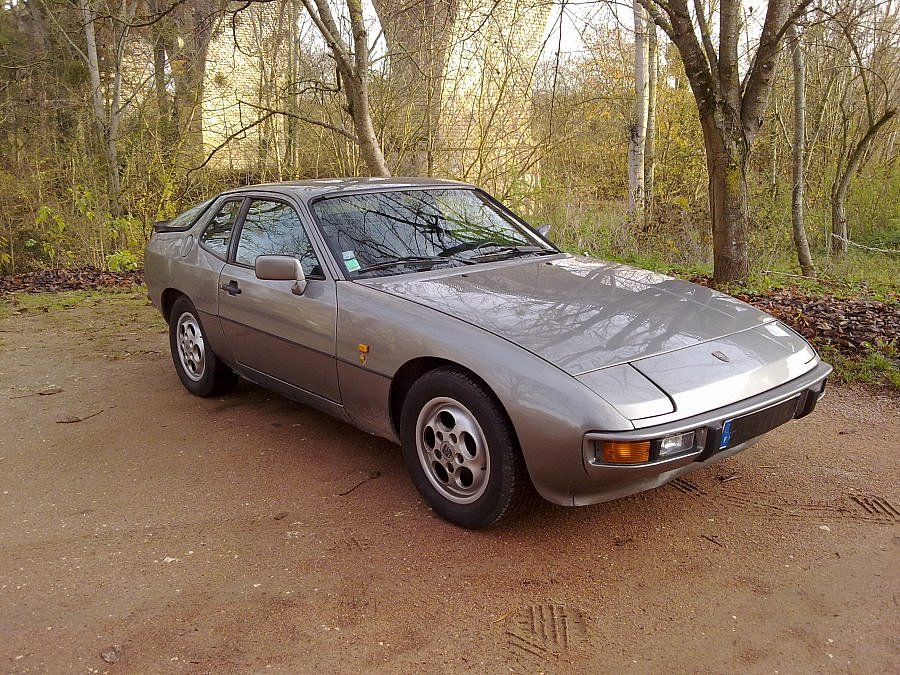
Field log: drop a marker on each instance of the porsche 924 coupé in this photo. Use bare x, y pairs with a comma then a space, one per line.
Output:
427, 313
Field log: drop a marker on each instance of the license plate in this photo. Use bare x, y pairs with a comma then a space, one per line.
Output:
740, 429
726, 435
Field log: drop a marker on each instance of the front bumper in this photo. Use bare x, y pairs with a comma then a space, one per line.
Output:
753, 417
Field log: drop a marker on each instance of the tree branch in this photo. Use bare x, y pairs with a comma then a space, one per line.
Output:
707, 40
655, 10
319, 123
323, 18
758, 82
228, 140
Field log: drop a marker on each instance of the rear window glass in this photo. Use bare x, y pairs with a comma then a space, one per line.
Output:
184, 220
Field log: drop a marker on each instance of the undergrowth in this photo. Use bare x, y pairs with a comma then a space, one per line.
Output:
873, 366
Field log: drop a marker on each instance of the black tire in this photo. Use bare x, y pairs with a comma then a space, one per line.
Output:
461, 451
201, 372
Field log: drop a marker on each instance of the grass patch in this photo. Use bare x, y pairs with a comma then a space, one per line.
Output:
24, 303
872, 367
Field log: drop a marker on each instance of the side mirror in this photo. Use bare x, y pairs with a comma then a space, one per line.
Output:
543, 230
281, 268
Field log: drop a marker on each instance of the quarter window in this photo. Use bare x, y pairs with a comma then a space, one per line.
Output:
217, 235
273, 228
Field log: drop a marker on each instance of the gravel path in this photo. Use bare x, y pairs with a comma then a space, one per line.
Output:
144, 530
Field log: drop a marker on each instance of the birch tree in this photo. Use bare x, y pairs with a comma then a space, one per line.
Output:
637, 131
650, 136
353, 69
107, 109
798, 153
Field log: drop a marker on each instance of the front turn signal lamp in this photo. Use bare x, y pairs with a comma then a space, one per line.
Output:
626, 452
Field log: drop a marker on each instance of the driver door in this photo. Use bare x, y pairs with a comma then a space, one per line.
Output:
270, 330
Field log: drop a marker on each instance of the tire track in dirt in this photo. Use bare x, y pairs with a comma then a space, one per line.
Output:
866, 508
538, 635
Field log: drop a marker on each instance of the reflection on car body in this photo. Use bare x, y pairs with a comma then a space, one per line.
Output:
425, 312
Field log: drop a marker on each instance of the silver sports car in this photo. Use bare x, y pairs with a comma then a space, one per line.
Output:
425, 312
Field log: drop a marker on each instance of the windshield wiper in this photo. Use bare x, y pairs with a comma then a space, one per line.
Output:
410, 260
510, 251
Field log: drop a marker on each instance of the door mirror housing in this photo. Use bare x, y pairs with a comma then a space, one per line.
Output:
543, 230
281, 268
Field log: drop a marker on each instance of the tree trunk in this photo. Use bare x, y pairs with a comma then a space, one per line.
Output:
798, 155
731, 107
369, 147
650, 139
637, 130
112, 155
107, 122
840, 234
726, 161
163, 103
418, 36
353, 68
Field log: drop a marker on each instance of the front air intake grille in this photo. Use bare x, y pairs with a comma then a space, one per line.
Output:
757, 423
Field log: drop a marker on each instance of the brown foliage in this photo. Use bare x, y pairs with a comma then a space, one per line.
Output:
81, 279
850, 325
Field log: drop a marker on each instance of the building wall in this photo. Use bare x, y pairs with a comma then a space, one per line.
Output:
246, 74
485, 131
487, 112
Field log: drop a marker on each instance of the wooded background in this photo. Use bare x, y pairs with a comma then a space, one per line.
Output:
741, 135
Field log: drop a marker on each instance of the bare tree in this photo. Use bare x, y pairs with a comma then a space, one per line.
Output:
650, 136
798, 155
637, 130
730, 107
870, 34
107, 109
353, 70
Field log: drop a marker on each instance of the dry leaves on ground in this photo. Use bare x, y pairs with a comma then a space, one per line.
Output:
848, 324
80, 279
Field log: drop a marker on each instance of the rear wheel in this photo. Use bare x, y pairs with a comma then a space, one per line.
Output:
201, 372
460, 449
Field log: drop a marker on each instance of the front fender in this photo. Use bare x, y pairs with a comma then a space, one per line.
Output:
549, 409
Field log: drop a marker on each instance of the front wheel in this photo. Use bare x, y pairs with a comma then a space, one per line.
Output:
201, 372
460, 449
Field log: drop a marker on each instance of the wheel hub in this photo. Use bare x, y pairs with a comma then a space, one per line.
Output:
191, 347
453, 450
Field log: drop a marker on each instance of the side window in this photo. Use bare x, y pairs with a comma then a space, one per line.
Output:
217, 235
273, 228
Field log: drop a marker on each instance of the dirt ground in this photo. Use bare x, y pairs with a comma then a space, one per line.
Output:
169, 533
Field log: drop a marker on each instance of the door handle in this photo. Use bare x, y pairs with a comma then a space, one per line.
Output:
231, 288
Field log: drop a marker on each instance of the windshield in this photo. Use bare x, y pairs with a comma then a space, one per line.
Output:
397, 232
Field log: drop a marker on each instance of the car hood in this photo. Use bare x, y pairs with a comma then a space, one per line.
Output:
580, 314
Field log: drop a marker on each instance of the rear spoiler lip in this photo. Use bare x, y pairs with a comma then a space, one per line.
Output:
163, 226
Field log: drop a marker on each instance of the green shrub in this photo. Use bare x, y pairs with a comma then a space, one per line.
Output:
122, 261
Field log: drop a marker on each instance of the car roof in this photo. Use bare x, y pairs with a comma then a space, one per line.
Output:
309, 189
